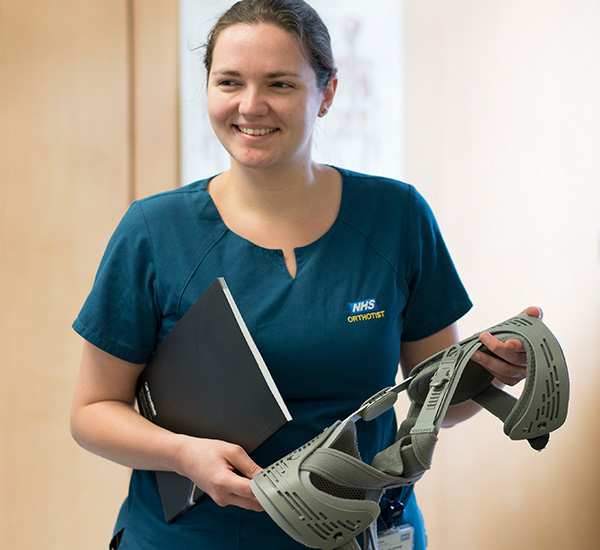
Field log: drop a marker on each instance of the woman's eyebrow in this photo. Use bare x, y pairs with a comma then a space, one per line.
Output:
276, 74
227, 73
281, 74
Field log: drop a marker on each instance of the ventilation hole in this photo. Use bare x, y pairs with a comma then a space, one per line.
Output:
348, 525
517, 322
545, 352
320, 528
316, 532
549, 350
286, 498
273, 481
301, 506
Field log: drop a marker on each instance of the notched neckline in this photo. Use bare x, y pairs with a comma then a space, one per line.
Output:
299, 251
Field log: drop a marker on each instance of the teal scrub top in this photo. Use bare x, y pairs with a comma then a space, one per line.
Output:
330, 336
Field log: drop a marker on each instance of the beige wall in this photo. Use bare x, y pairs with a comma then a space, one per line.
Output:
503, 139
79, 81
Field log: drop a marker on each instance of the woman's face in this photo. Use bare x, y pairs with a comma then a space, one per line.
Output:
263, 98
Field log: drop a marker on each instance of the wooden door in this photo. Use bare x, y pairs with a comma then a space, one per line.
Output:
88, 122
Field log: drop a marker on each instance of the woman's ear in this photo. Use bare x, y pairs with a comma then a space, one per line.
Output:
328, 95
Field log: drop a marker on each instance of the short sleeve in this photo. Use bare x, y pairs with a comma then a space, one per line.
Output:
437, 297
120, 315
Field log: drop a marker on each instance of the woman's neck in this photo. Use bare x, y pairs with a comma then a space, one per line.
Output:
277, 192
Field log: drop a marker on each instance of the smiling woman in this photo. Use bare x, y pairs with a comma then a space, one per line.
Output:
298, 243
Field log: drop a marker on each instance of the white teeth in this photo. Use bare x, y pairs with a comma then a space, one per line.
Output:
256, 131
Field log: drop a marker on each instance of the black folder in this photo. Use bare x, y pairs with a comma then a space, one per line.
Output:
207, 379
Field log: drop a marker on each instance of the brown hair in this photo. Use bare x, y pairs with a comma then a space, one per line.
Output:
294, 16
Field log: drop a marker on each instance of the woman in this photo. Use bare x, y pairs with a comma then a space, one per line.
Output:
297, 242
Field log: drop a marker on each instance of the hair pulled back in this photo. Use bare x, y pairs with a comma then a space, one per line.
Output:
293, 16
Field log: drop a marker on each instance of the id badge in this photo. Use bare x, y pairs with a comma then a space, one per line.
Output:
396, 538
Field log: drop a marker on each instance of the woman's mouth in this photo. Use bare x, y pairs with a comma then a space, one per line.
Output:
256, 131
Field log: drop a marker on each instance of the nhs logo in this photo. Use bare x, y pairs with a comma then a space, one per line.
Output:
364, 306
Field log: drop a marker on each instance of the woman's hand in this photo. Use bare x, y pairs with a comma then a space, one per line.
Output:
222, 470
104, 421
509, 362
508, 365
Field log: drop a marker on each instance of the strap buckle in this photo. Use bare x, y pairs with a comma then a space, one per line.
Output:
439, 393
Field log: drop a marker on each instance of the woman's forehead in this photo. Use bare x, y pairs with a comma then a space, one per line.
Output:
263, 47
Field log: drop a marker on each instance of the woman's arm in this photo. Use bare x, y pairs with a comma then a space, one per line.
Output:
508, 365
105, 422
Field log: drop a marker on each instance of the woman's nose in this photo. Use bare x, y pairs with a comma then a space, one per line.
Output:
253, 102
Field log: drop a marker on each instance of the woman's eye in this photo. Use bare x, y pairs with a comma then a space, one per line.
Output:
225, 83
281, 85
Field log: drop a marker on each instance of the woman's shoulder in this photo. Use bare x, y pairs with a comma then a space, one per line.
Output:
383, 183
381, 196
170, 214
186, 196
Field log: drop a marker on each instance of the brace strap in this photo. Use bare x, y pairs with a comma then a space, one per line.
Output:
451, 378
